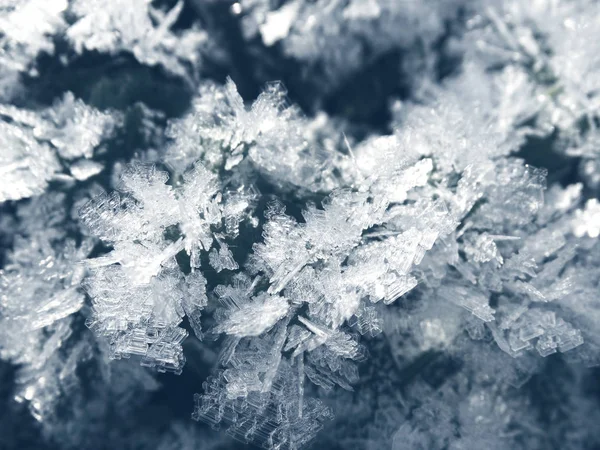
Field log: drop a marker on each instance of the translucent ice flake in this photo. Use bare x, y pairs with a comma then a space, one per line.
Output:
222, 259
367, 321
470, 299
339, 343
548, 332
251, 317
165, 353
84, 169
483, 249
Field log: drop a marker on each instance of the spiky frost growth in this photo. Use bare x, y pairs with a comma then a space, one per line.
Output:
29, 28
453, 213
313, 277
271, 135
438, 209
42, 325
509, 248
39, 295
139, 293
138, 28
40, 146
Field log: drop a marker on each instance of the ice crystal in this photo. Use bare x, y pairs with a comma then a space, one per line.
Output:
41, 305
139, 293
37, 142
222, 132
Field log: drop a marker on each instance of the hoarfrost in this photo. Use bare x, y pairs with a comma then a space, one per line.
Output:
285, 146
41, 318
36, 144
436, 245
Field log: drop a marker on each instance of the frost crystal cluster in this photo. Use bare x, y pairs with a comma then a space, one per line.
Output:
393, 246
40, 146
